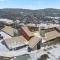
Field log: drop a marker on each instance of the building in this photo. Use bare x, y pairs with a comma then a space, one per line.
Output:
26, 33
53, 25
6, 21
43, 26
33, 29
29, 36
51, 36
15, 43
34, 44
9, 30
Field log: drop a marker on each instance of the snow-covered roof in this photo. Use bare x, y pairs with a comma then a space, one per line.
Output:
6, 21
44, 26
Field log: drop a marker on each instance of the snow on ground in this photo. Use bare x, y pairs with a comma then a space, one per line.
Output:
3, 48
6, 53
52, 51
5, 36
12, 53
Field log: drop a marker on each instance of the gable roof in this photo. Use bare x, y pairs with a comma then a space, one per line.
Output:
28, 32
33, 41
9, 30
15, 42
52, 35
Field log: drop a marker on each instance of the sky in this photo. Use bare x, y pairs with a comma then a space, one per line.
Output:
30, 4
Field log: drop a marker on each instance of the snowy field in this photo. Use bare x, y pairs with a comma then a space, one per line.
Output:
53, 51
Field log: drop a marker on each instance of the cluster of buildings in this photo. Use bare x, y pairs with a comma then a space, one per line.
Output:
23, 37
51, 33
28, 38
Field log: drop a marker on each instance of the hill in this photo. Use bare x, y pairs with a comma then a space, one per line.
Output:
29, 16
